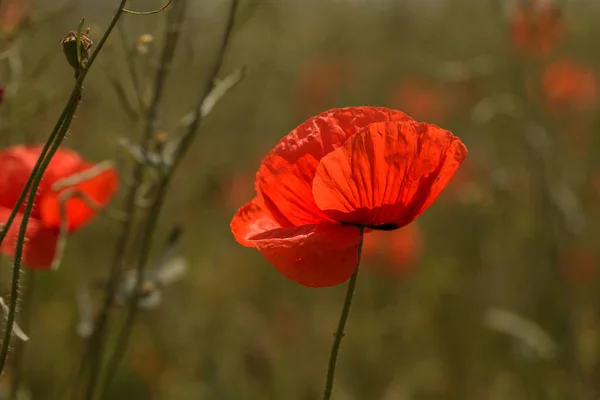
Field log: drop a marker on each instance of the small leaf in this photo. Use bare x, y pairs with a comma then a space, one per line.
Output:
220, 88
525, 331
152, 159
85, 324
171, 271
16, 330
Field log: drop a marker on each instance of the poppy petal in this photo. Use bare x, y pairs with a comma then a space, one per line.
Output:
317, 255
284, 179
40, 246
17, 163
100, 189
15, 173
252, 220
388, 174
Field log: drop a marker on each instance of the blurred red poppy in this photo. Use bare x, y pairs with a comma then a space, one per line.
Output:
1, 94
579, 264
146, 362
420, 100
569, 86
12, 15
319, 82
338, 172
537, 28
396, 251
16, 164
236, 189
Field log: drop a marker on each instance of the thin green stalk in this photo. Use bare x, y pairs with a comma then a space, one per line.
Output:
339, 333
96, 344
35, 170
51, 146
182, 148
16, 270
19, 355
129, 61
187, 139
125, 333
75, 93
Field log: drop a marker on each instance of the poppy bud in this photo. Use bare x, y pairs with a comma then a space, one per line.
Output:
69, 43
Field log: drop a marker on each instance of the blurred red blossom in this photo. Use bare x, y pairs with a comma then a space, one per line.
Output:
466, 186
340, 171
578, 263
236, 189
420, 100
1, 94
146, 362
566, 85
537, 27
16, 164
13, 13
319, 81
394, 253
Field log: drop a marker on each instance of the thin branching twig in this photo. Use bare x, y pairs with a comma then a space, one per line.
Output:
152, 219
96, 344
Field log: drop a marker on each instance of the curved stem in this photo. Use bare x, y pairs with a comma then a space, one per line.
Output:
122, 341
148, 12
154, 213
75, 94
339, 333
52, 144
36, 167
19, 354
93, 355
16, 270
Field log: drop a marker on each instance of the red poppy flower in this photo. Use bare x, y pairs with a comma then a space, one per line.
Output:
420, 100
236, 188
399, 250
16, 164
567, 85
13, 15
338, 172
579, 264
537, 28
320, 80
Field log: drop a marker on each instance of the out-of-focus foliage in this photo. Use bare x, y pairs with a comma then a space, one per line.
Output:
498, 296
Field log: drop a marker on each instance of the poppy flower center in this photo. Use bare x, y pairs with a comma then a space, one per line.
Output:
390, 226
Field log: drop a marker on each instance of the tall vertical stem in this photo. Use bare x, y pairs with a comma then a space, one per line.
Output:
339, 333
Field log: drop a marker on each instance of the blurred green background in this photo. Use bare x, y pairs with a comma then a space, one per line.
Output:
492, 294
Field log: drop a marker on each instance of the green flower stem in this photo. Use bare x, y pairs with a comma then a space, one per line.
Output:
16, 270
72, 102
154, 213
35, 170
52, 144
339, 333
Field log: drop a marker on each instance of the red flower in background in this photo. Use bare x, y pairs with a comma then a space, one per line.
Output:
420, 100
319, 82
399, 250
567, 85
537, 28
579, 264
1, 94
12, 15
236, 189
338, 172
16, 164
